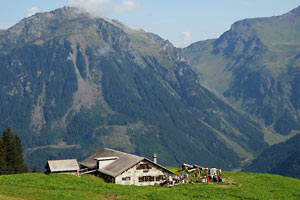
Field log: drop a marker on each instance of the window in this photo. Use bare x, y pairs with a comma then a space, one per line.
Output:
150, 178
146, 179
126, 178
160, 178
144, 166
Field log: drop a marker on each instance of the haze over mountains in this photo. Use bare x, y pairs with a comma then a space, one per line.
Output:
71, 84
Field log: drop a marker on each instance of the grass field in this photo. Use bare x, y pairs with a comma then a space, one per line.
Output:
237, 186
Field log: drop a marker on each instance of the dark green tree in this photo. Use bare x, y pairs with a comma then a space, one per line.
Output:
9, 144
13, 153
20, 166
34, 170
2, 158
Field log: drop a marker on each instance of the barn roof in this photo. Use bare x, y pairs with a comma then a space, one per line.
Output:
123, 163
62, 165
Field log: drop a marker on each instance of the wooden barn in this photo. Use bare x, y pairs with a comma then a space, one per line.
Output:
125, 169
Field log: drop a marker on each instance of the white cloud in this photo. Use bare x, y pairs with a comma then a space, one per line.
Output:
102, 7
32, 11
184, 39
94, 7
60, 3
187, 37
125, 6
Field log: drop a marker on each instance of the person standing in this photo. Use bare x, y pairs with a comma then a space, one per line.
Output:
207, 178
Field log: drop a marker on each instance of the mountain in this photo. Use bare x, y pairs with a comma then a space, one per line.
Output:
282, 159
256, 66
71, 84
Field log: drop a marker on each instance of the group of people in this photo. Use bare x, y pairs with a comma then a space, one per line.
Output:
215, 178
184, 178
213, 175
179, 178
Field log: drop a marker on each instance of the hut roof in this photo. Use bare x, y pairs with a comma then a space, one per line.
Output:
123, 163
62, 165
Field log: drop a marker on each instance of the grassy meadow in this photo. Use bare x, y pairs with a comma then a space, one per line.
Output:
237, 185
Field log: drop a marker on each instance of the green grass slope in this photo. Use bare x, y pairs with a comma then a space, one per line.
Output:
237, 186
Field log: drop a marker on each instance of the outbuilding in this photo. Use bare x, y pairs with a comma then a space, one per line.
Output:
69, 166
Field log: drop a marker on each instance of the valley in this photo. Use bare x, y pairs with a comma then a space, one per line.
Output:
72, 84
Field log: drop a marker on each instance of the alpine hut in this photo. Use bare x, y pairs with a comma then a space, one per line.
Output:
125, 169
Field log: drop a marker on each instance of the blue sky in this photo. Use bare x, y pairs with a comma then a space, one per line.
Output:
180, 21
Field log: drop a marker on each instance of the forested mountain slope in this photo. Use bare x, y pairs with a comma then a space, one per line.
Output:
256, 66
71, 84
282, 159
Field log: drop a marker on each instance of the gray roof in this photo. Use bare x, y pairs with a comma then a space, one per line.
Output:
122, 164
63, 165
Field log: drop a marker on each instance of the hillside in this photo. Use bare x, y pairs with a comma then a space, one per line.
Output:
238, 186
71, 85
290, 167
256, 66
282, 159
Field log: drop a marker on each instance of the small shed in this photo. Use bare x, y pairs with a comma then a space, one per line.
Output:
69, 166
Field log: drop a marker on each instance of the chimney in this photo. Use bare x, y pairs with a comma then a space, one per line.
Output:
155, 158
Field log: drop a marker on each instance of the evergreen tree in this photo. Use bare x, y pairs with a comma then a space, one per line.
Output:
20, 166
10, 150
13, 153
2, 158
34, 169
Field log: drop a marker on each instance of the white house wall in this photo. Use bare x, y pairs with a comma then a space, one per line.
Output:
135, 173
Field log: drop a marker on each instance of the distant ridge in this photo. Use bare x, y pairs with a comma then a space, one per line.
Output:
255, 65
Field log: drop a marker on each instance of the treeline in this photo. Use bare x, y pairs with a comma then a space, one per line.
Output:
11, 154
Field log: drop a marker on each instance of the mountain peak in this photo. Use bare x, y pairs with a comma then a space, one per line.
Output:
45, 25
61, 13
65, 9
69, 12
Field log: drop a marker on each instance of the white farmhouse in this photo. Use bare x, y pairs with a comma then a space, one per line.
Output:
126, 169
